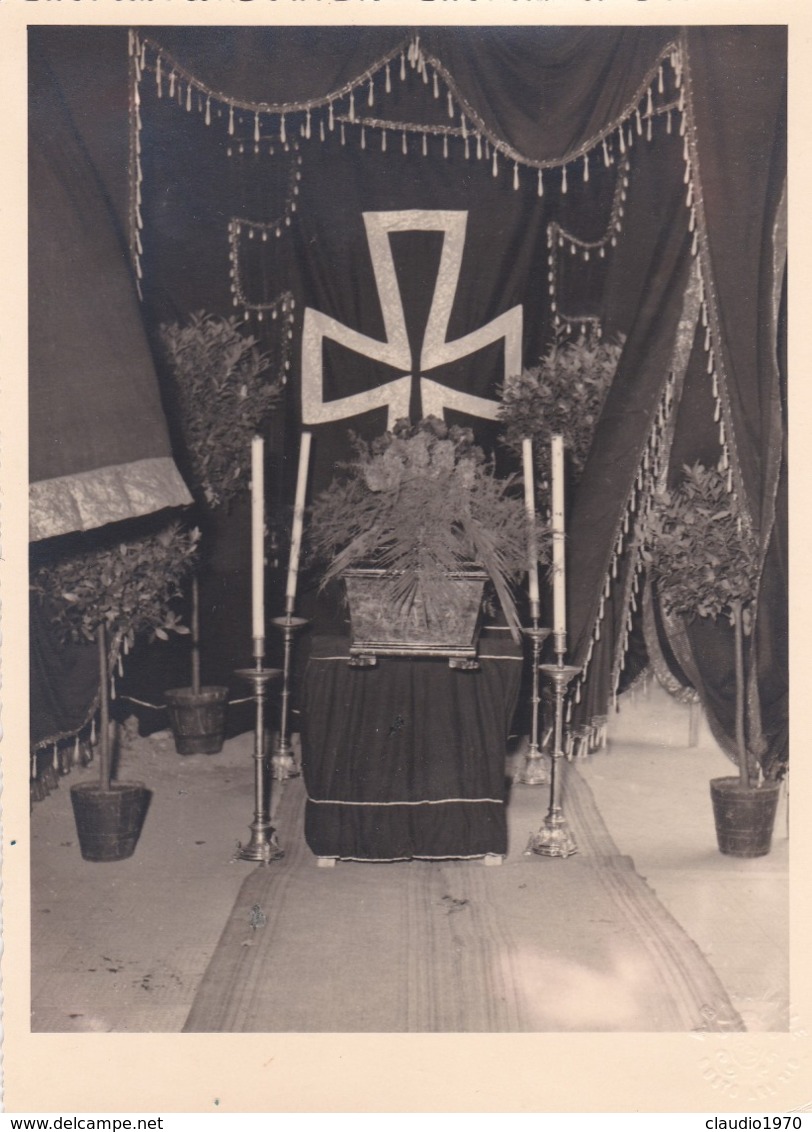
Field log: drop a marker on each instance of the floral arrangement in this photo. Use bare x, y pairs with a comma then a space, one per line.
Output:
128, 586
421, 502
224, 396
563, 394
705, 564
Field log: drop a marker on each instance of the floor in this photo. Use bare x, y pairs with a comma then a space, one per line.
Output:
122, 946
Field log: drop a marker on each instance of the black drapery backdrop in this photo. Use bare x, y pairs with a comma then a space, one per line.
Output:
544, 97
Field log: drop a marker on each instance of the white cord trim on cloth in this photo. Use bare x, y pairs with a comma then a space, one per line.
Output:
423, 802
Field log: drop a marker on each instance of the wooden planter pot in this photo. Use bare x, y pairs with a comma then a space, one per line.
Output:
198, 719
109, 822
744, 816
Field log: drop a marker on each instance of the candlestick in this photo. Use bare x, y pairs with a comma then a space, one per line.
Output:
298, 522
530, 505
559, 552
257, 538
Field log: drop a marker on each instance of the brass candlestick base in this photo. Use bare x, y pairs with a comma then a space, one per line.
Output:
263, 845
554, 839
534, 771
283, 763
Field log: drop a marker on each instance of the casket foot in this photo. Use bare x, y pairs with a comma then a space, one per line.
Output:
326, 862
492, 859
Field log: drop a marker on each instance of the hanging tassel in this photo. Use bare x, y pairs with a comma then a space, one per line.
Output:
515, 175
540, 189
605, 154
331, 118
112, 687
371, 96
403, 66
668, 121
231, 119
172, 84
383, 141
692, 220
445, 145
404, 141
660, 84
464, 127
343, 135
622, 139
93, 732
638, 122
120, 665
307, 124
321, 129
256, 127
467, 150
586, 168
563, 178
189, 97
352, 105
425, 146
363, 137
648, 128
388, 80
450, 105
435, 85
282, 135
479, 147
494, 165
158, 77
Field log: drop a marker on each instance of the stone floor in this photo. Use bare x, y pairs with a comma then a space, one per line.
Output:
122, 946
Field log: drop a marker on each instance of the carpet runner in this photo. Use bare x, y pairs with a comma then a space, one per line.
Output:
539, 944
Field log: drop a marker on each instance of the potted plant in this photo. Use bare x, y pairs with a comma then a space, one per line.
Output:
563, 394
416, 525
704, 564
112, 593
224, 396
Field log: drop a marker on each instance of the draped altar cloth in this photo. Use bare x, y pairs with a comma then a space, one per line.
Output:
407, 759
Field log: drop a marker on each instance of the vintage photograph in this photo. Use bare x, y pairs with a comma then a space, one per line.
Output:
408, 516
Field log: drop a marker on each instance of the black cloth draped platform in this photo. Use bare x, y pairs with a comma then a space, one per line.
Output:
407, 759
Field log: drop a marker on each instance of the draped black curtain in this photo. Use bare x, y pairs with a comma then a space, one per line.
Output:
546, 97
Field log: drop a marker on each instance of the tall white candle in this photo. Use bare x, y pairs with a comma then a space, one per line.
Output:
298, 521
530, 504
257, 538
559, 552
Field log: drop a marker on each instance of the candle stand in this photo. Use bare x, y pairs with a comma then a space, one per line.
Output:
263, 845
534, 772
554, 839
282, 763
